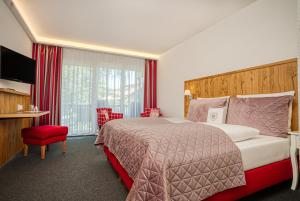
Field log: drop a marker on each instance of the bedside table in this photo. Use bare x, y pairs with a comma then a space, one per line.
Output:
294, 150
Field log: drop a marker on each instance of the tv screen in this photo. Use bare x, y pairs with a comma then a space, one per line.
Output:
16, 67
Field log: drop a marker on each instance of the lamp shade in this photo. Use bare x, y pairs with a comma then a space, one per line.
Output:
187, 93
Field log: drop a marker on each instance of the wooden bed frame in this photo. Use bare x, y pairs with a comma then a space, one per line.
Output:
270, 78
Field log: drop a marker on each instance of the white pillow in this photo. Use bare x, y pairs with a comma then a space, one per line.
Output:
288, 93
217, 115
215, 98
237, 133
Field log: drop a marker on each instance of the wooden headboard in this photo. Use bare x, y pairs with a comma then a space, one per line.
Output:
270, 78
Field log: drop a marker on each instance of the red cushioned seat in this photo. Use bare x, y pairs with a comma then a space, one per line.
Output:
44, 135
44, 132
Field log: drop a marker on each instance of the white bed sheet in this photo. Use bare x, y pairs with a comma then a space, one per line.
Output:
263, 150
176, 120
258, 151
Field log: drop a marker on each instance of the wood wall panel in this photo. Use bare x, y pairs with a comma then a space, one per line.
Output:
10, 129
269, 78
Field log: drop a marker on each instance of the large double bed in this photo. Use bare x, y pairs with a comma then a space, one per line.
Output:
190, 159
264, 161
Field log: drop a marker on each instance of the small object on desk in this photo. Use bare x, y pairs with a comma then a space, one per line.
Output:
36, 109
31, 107
294, 151
19, 107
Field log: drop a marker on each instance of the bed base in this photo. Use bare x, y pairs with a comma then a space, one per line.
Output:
257, 179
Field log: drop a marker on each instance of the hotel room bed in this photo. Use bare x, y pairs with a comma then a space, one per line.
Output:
238, 98
259, 150
265, 160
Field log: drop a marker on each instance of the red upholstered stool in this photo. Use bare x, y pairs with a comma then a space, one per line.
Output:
44, 135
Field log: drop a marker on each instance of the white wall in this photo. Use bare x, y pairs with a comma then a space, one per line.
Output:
13, 37
263, 32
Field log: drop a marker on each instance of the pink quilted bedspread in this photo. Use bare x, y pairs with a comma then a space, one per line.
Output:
168, 161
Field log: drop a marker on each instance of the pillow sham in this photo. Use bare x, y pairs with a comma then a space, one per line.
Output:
199, 108
287, 93
217, 115
105, 113
154, 112
268, 114
237, 133
217, 98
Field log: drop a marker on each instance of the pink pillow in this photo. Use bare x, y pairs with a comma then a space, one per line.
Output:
199, 108
154, 112
105, 113
268, 114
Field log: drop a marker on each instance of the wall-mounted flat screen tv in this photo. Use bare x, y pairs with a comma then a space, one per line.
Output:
17, 67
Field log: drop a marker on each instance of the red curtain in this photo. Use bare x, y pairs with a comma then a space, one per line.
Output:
46, 91
150, 84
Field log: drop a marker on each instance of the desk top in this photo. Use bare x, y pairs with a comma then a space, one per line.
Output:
28, 114
12, 91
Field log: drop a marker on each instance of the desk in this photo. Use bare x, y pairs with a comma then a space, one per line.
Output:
12, 122
23, 115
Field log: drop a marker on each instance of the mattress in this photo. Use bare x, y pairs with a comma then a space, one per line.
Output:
258, 151
263, 150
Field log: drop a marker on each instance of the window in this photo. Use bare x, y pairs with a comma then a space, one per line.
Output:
91, 80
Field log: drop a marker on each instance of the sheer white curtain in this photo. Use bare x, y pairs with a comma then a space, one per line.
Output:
91, 80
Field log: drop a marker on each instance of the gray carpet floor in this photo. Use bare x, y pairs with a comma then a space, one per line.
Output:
82, 174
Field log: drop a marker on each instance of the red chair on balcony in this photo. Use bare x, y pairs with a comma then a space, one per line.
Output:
148, 111
105, 114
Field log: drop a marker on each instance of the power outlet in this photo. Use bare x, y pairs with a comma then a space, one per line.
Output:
19, 107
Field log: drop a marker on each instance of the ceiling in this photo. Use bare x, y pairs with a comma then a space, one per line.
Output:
148, 27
